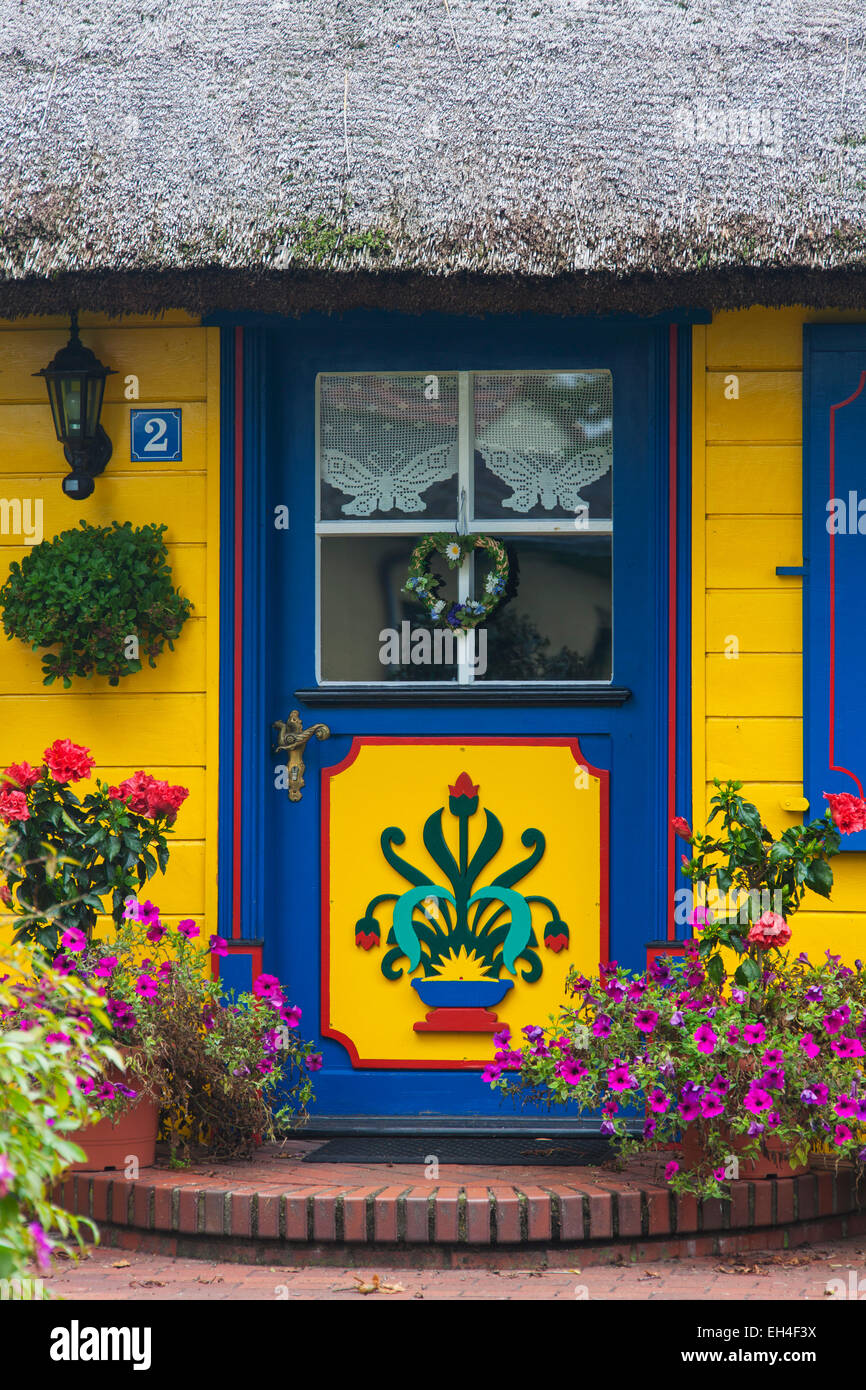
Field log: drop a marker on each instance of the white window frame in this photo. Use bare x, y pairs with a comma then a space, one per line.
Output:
405, 526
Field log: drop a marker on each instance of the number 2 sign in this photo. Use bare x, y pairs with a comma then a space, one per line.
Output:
154, 435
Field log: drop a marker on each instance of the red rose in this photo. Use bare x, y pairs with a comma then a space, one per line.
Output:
22, 775
682, 828
6, 894
848, 812
769, 930
67, 761
133, 791
13, 805
165, 800
147, 796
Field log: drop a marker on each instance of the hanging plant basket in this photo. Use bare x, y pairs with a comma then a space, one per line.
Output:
97, 600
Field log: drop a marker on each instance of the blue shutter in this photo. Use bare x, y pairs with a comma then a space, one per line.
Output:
834, 556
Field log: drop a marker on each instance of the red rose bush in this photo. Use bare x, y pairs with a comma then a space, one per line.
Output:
69, 858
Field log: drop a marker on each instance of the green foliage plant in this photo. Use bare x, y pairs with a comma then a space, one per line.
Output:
48, 1056
81, 596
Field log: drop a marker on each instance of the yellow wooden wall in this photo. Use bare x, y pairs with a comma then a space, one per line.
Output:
163, 720
747, 508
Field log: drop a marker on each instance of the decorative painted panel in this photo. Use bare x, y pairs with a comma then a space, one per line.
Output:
461, 880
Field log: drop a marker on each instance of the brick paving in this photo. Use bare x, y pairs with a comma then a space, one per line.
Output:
782, 1277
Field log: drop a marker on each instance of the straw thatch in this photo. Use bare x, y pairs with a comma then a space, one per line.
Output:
474, 154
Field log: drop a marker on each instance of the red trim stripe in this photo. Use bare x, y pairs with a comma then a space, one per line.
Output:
238, 630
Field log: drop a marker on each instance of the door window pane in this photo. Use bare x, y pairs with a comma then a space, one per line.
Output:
543, 444
557, 624
369, 629
387, 445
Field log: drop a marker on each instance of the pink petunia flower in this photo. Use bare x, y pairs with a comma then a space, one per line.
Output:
619, 1078
754, 1033
73, 940
645, 1020
42, 1247
705, 1038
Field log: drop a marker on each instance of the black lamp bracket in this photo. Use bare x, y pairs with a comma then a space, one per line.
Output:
95, 457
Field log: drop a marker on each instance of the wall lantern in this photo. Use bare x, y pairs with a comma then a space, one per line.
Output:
76, 385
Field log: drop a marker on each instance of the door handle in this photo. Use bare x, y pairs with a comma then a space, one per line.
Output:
292, 740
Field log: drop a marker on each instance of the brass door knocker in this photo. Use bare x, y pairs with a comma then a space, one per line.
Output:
293, 738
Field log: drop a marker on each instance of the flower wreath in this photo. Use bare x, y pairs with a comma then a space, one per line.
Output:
422, 585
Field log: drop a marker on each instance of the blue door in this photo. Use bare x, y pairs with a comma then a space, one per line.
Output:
455, 575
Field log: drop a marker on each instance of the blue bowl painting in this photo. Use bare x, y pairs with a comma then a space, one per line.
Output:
461, 994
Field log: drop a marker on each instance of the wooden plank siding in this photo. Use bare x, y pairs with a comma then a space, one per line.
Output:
747, 621
164, 720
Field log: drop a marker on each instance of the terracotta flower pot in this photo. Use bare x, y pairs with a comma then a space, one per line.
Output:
773, 1162
111, 1143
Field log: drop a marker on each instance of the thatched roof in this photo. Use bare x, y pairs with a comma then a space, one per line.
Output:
569, 154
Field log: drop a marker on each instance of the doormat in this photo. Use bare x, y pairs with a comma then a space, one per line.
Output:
488, 1150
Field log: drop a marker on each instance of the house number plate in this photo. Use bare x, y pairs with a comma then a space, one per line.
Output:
154, 435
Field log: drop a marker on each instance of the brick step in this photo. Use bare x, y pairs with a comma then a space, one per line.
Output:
289, 1205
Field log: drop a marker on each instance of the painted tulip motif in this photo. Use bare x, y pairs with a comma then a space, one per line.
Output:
462, 931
